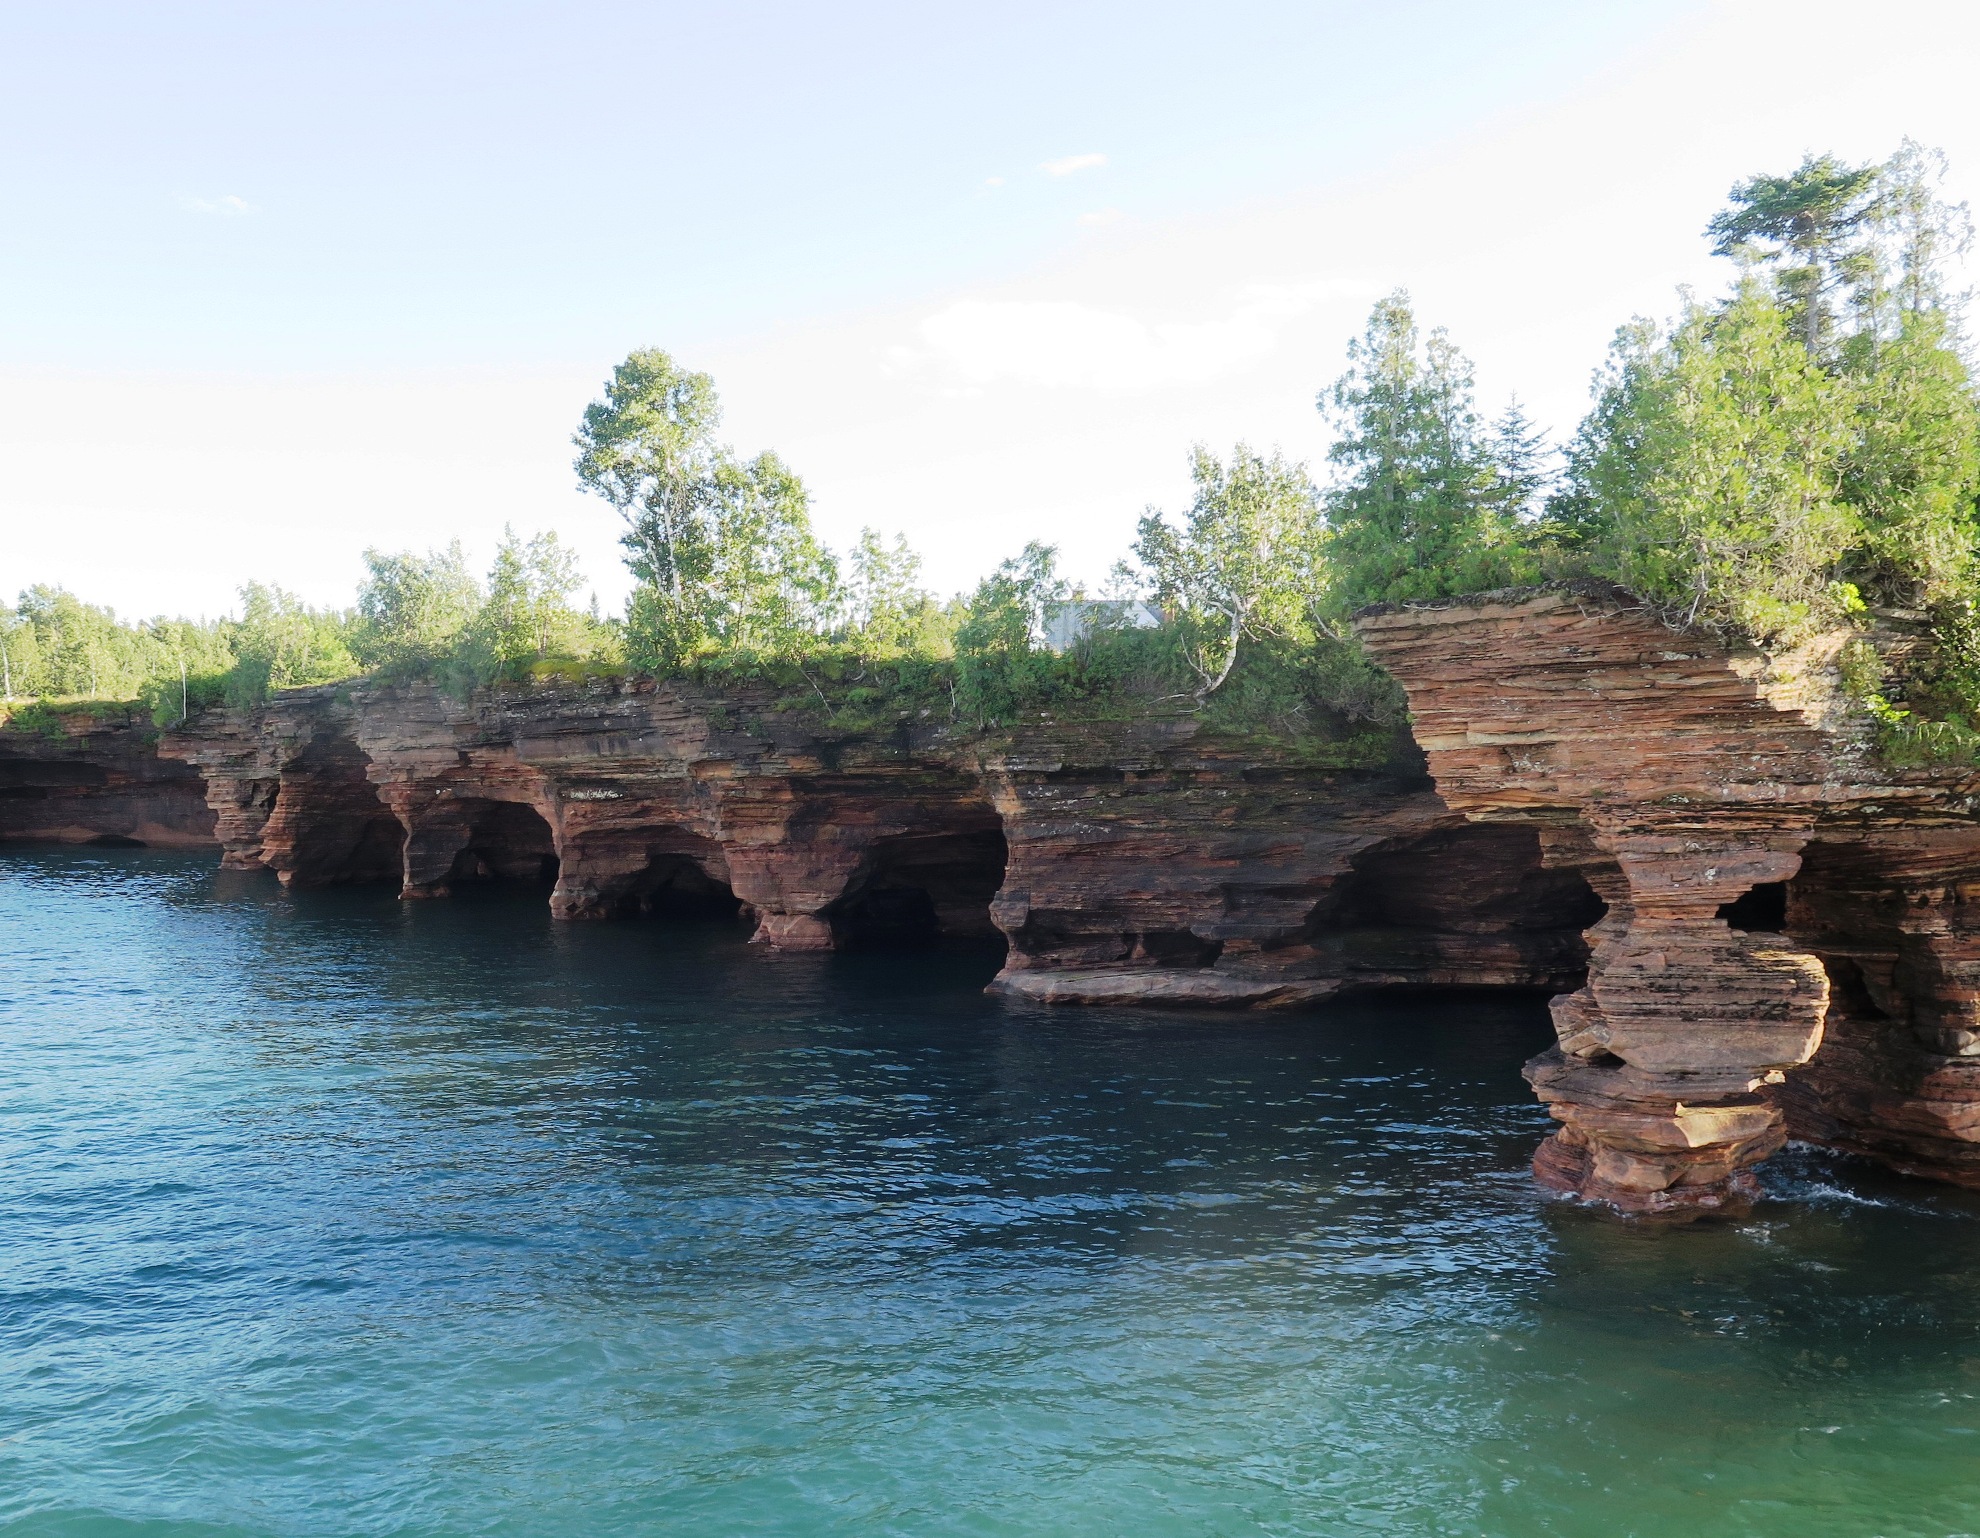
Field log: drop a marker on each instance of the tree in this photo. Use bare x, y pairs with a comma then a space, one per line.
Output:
649, 449
999, 662
412, 609
888, 611
282, 643
1421, 506
1710, 470
1912, 474
1524, 463
1809, 216
1918, 232
771, 587
528, 614
1238, 567
723, 551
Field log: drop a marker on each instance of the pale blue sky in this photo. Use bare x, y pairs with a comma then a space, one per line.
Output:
281, 281
433, 184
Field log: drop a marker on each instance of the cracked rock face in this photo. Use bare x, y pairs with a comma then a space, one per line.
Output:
1788, 946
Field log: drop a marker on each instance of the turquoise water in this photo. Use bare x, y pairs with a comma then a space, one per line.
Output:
327, 1214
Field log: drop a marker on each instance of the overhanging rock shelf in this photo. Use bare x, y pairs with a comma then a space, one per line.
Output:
1792, 942
1122, 862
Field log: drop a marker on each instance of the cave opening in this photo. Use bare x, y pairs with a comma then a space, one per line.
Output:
336, 827
509, 842
920, 888
1473, 905
1760, 910
677, 887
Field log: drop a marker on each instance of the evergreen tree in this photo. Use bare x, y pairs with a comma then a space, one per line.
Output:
1422, 507
1806, 225
1767, 494
1711, 461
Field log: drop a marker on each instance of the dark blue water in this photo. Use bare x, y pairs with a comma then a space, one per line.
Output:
326, 1214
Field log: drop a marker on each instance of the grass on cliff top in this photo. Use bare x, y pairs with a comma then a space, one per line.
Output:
68, 716
1319, 703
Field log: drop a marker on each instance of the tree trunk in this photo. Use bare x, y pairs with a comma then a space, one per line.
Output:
1211, 686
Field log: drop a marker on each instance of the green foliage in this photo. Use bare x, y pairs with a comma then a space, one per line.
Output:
722, 550
38, 716
528, 615
52, 645
1808, 448
1427, 503
1912, 473
1779, 460
888, 612
414, 611
1803, 226
772, 588
282, 643
1710, 471
1001, 663
1241, 565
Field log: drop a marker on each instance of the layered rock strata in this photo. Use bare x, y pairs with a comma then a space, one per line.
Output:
1147, 864
1790, 942
1124, 862
100, 781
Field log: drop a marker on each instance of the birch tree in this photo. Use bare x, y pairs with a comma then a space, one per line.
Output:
1239, 564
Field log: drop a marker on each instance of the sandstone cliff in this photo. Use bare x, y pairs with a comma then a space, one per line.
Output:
1754, 929
1791, 944
100, 781
1121, 861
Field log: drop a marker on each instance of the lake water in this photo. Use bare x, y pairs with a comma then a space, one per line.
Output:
327, 1214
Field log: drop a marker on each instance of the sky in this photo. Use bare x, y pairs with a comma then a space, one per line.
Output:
281, 282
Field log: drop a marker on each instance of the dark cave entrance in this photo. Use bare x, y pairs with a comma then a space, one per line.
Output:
1465, 906
507, 841
1763, 910
340, 830
918, 888
675, 885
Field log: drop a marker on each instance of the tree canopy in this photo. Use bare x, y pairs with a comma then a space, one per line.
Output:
1798, 452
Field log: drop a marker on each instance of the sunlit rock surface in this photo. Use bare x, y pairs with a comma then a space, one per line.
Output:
1125, 861
1790, 945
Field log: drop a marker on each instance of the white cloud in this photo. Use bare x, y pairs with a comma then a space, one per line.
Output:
1063, 344
1100, 216
1072, 163
993, 181
228, 204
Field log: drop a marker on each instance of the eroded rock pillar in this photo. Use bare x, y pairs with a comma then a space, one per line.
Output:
1662, 1074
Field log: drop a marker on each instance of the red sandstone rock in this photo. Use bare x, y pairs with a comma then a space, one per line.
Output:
1128, 862
101, 781
1694, 786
